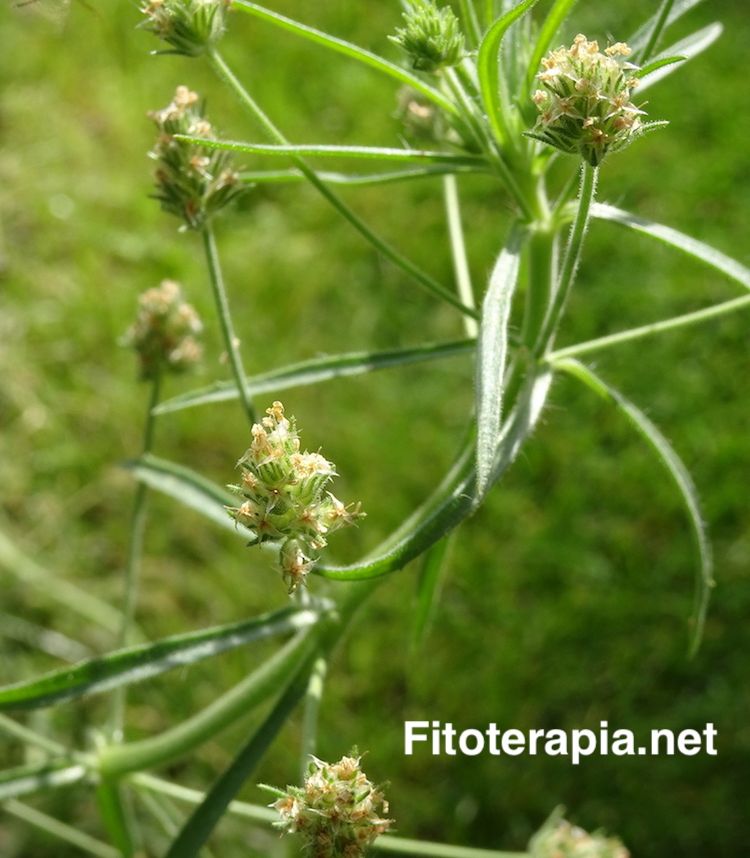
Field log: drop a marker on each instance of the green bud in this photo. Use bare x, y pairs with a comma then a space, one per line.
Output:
432, 37
191, 27
285, 498
165, 332
192, 183
559, 839
338, 812
584, 100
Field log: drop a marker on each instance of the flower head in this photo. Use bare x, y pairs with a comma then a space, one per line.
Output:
191, 27
584, 100
284, 496
559, 839
338, 811
432, 36
165, 332
192, 182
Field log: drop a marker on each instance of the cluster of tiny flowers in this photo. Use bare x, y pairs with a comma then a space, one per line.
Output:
432, 37
559, 839
192, 183
165, 332
191, 27
584, 102
338, 811
284, 497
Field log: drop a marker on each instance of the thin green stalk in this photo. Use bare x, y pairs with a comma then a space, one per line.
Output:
231, 343
135, 553
117, 817
313, 698
541, 281
458, 251
227, 76
655, 34
589, 176
30, 737
60, 830
489, 13
471, 22
675, 322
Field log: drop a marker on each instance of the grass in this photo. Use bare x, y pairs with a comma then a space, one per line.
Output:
568, 593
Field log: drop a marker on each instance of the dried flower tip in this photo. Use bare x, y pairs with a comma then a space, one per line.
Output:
338, 811
191, 27
165, 332
192, 183
584, 100
432, 37
559, 839
285, 497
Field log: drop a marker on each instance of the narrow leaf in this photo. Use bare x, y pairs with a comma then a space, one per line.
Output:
492, 348
552, 23
680, 475
349, 50
136, 664
317, 370
640, 38
189, 488
488, 68
208, 814
30, 779
117, 821
655, 65
293, 175
687, 48
429, 584
697, 249
372, 153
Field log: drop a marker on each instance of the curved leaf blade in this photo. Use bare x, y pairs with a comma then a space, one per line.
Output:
317, 370
492, 349
687, 48
139, 663
666, 234
680, 475
488, 68
429, 585
640, 38
347, 49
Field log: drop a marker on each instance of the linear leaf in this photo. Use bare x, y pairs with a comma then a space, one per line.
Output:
457, 500
30, 779
639, 39
207, 815
347, 49
492, 349
704, 252
488, 68
293, 175
188, 487
136, 664
434, 565
655, 65
317, 370
552, 23
372, 153
687, 48
679, 473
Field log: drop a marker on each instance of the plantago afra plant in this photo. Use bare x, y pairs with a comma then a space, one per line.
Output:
493, 93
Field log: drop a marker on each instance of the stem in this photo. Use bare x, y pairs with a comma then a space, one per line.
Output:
589, 176
649, 330
542, 279
59, 829
231, 343
135, 553
425, 280
458, 251
29, 737
313, 698
656, 32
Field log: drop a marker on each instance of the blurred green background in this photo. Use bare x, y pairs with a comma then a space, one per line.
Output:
568, 594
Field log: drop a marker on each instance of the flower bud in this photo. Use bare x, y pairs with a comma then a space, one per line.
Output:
192, 183
191, 27
165, 332
338, 812
432, 37
584, 100
285, 498
559, 839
